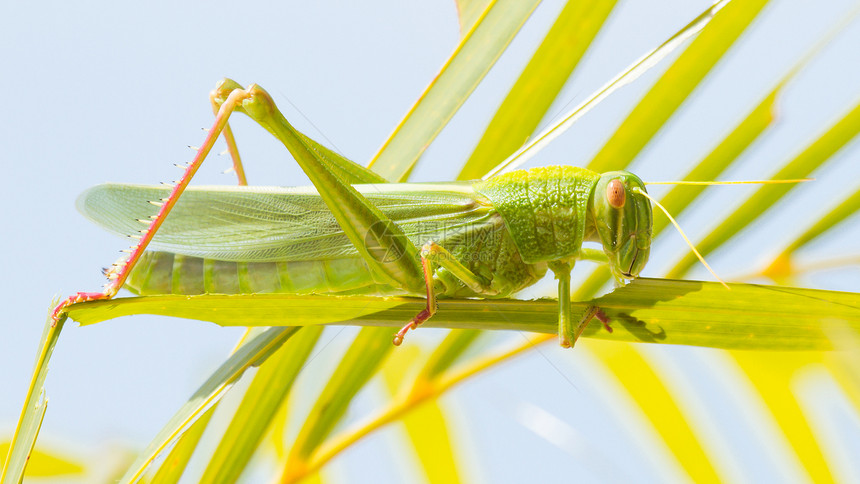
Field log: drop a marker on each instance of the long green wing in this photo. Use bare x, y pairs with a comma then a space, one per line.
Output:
257, 224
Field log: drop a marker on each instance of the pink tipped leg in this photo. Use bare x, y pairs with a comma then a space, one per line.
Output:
232, 148
77, 298
425, 313
120, 270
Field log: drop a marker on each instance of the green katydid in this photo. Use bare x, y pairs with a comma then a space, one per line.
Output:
353, 233
373, 238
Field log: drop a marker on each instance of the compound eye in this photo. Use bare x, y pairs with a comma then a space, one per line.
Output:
615, 194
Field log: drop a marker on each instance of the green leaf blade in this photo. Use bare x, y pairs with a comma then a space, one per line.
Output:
665, 311
176, 462
355, 369
676, 84
845, 209
539, 84
253, 352
801, 166
261, 402
460, 75
35, 405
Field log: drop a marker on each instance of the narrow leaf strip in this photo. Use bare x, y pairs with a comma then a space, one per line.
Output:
357, 366
175, 463
261, 402
426, 426
782, 268
399, 407
664, 311
251, 353
844, 364
625, 77
35, 405
771, 373
477, 52
173, 466
845, 209
447, 353
469, 12
727, 151
676, 84
49, 464
818, 152
538, 84
659, 407
242, 309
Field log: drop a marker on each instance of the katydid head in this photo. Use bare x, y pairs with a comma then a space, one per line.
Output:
622, 216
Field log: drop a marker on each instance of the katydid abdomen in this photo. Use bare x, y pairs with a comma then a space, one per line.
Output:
168, 273
487, 252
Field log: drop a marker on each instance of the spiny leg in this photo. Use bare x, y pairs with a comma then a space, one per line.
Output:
369, 230
380, 242
425, 313
227, 97
232, 148
119, 272
435, 253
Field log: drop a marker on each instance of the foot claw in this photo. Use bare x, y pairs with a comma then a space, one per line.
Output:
604, 319
398, 338
78, 297
422, 316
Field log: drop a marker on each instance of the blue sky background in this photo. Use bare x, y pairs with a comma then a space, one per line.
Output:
112, 91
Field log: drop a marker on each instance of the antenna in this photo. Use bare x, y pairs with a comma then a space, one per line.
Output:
686, 239
743, 182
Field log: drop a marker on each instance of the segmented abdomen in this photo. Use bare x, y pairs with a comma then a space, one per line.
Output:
168, 273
